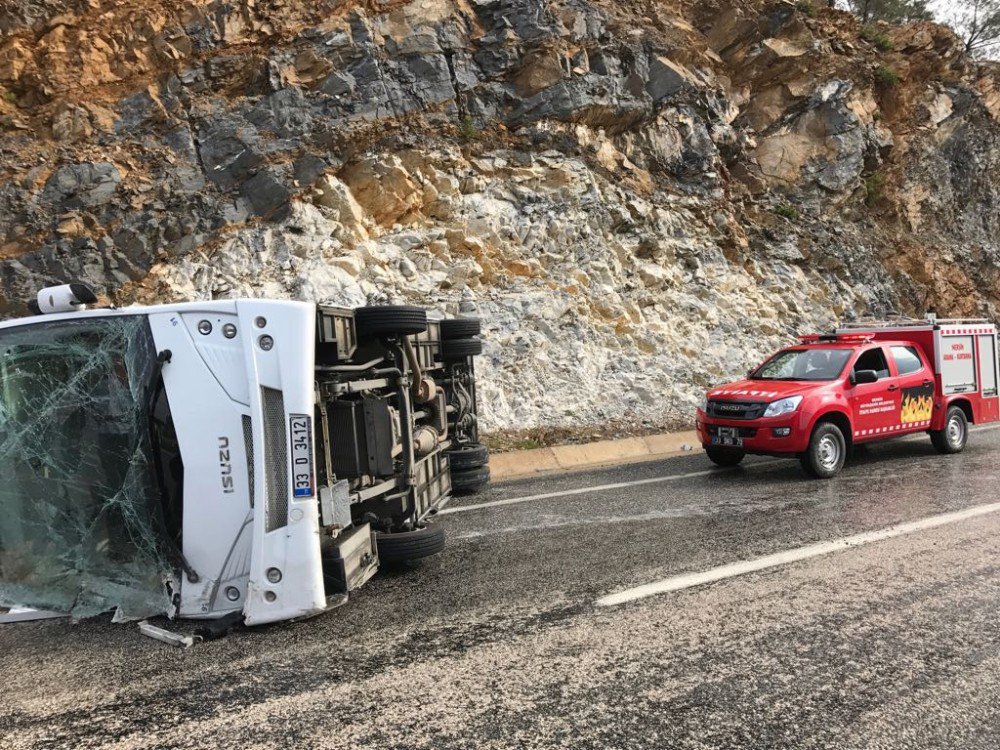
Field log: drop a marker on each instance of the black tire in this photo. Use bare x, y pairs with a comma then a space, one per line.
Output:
722, 456
826, 453
402, 546
460, 328
390, 320
470, 481
460, 349
468, 457
955, 435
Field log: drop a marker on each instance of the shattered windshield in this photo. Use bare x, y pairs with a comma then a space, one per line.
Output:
81, 524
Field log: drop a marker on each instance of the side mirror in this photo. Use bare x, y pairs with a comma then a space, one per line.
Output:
864, 376
63, 298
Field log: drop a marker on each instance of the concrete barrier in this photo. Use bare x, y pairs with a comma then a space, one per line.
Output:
560, 458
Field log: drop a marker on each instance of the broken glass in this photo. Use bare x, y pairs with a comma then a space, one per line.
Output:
82, 529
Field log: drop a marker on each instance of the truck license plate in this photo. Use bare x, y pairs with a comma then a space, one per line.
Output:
728, 436
303, 482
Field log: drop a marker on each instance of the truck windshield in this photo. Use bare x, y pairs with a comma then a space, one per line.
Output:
81, 523
803, 364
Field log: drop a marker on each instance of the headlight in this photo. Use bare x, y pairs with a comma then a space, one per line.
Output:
783, 406
703, 404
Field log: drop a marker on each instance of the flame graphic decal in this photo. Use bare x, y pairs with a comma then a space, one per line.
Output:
917, 404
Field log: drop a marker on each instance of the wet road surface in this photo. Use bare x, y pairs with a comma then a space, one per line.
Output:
499, 642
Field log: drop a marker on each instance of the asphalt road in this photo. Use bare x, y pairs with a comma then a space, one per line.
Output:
500, 643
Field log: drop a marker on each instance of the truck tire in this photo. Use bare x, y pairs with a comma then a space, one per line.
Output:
468, 457
826, 453
460, 349
955, 435
470, 481
402, 546
460, 328
390, 320
721, 456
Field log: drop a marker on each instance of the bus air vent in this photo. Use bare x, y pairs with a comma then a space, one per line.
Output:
275, 458
248, 445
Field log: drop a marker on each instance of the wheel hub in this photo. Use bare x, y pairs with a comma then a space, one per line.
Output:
956, 431
829, 452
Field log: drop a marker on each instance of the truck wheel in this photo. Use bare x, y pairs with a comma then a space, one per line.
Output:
724, 456
460, 328
390, 320
468, 457
953, 437
460, 349
826, 453
470, 481
409, 545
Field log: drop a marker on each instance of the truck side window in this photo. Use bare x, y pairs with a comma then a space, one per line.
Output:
873, 359
907, 359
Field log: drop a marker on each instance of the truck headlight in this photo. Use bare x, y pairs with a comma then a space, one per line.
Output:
703, 404
782, 406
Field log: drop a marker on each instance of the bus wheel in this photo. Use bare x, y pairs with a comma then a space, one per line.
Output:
403, 546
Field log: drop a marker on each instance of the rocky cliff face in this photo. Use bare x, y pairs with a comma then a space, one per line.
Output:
640, 199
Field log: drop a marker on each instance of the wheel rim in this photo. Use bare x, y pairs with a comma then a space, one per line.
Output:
956, 431
828, 452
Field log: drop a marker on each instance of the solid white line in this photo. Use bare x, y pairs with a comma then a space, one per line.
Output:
689, 580
594, 488
634, 483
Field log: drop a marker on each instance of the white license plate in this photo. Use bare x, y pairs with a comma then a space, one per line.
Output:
303, 481
727, 436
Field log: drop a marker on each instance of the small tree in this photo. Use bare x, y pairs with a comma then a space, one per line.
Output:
892, 11
977, 22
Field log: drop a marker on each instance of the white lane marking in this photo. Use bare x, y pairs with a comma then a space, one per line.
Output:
689, 580
595, 488
635, 483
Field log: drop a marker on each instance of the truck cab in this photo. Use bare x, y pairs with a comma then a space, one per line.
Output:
251, 460
864, 382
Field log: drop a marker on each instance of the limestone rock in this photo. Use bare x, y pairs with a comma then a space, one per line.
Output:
82, 185
639, 202
334, 195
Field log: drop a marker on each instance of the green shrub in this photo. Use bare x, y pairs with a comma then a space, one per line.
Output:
8, 96
874, 186
806, 8
876, 37
886, 77
786, 211
467, 128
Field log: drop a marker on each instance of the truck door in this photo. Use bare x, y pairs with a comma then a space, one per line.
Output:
916, 388
989, 406
874, 406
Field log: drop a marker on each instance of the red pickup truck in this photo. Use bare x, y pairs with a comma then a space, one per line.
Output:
864, 382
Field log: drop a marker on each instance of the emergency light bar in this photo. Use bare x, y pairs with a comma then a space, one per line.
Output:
832, 338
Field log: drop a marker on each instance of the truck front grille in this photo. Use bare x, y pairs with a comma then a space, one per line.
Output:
735, 409
275, 458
